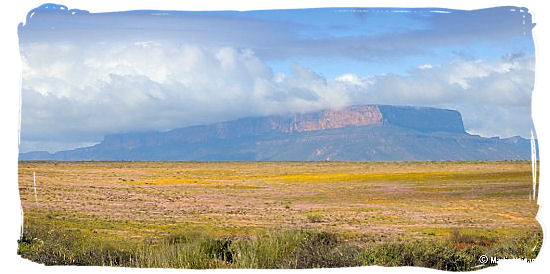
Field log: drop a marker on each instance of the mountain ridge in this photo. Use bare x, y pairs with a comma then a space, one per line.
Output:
357, 133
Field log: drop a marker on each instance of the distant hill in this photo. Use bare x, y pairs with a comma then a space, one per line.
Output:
356, 133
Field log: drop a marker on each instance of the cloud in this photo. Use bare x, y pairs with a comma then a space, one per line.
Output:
353, 79
316, 32
76, 94
425, 66
494, 97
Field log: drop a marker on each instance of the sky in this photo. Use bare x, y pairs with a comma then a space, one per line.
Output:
86, 75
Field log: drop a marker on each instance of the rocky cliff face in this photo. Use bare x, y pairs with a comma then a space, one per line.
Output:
330, 119
422, 119
419, 118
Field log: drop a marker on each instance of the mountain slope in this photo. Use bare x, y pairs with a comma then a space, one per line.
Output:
357, 133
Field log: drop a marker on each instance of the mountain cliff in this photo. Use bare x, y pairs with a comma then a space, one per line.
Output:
356, 133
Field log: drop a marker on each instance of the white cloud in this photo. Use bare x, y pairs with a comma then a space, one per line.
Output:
72, 94
353, 79
493, 101
425, 66
462, 72
77, 95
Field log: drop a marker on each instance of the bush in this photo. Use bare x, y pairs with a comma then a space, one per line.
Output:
459, 239
54, 247
323, 249
523, 247
217, 249
314, 218
424, 254
266, 251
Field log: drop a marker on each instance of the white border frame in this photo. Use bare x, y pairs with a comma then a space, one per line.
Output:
10, 73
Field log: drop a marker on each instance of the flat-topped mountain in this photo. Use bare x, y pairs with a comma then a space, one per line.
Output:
356, 133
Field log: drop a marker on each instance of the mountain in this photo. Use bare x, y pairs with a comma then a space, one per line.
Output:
356, 133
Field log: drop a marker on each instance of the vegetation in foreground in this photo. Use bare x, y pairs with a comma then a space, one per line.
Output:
278, 215
277, 249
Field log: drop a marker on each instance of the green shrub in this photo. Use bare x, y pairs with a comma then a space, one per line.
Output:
323, 249
217, 249
266, 251
423, 254
460, 239
314, 218
523, 247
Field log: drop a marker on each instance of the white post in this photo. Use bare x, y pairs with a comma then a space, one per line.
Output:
22, 221
534, 163
34, 182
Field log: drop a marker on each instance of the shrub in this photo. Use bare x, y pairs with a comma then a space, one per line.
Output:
323, 249
424, 254
217, 249
459, 239
314, 218
266, 251
523, 247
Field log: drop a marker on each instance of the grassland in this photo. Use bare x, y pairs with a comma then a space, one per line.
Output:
441, 215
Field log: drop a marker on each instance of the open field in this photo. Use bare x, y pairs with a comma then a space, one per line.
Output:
277, 214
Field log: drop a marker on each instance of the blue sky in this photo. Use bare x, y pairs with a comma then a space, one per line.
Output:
158, 70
